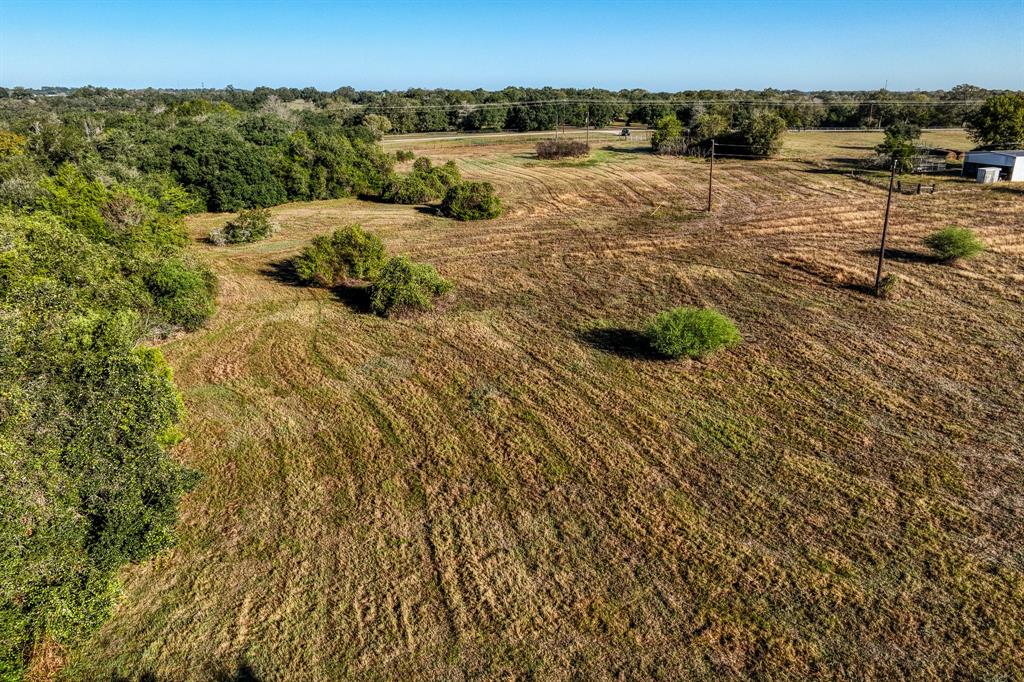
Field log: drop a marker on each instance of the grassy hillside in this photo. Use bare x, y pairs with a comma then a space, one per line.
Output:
512, 486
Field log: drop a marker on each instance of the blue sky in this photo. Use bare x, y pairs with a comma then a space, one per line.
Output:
393, 45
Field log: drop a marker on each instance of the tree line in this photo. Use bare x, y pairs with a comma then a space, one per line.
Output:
514, 108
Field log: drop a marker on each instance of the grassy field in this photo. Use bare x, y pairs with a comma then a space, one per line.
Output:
511, 486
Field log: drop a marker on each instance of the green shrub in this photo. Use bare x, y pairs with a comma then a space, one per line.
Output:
763, 132
953, 243
404, 284
471, 201
349, 253
447, 176
668, 135
182, 291
404, 155
426, 183
411, 189
251, 225
691, 332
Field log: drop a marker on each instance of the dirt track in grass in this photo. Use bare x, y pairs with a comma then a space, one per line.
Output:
512, 486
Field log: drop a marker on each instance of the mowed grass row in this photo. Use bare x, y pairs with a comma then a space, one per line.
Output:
513, 486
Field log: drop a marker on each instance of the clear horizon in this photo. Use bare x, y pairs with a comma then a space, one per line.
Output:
657, 46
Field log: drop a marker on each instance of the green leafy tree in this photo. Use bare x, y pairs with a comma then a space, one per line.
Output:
403, 284
999, 122
668, 132
900, 145
348, 253
250, 225
471, 201
378, 124
763, 131
87, 417
709, 125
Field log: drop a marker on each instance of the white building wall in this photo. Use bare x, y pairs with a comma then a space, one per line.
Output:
1017, 175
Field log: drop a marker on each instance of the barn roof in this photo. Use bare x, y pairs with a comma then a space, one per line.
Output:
1003, 152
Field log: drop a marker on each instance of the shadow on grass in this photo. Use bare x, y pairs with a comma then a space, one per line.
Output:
430, 210
282, 271
355, 296
904, 256
243, 673
626, 343
639, 149
860, 288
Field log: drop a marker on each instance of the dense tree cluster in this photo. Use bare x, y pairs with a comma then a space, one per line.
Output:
90, 265
514, 108
759, 134
225, 158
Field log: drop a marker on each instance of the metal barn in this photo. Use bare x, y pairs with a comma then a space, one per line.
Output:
1009, 163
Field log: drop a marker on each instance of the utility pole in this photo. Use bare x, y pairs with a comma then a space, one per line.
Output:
711, 173
556, 121
588, 125
885, 230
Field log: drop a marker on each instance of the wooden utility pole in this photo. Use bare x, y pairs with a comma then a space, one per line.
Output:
588, 125
885, 230
711, 174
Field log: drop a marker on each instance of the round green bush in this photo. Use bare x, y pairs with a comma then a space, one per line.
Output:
471, 201
405, 284
691, 332
251, 225
954, 242
349, 253
182, 291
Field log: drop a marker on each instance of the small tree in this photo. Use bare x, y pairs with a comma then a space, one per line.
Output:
471, 201
405, 284
900, 146
763, 133
379, 125
349, 253
709, 125
251, 225
691, 332
953, 243
999, 122
668, 134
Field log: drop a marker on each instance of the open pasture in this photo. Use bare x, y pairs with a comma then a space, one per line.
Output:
513, 486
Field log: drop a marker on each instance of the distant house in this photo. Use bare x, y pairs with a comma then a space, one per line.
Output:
1009, 163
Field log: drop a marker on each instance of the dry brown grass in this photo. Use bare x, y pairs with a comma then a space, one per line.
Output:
512, 487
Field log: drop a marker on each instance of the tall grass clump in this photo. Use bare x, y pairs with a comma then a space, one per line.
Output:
251, 225
348, 253
403, 284
691, 332
471, 201
953, 243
